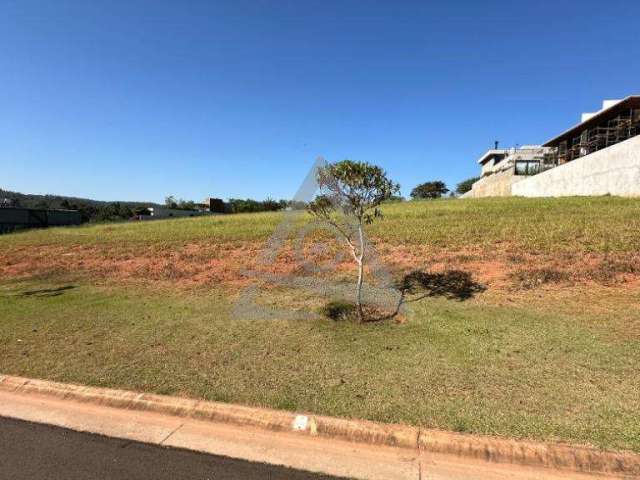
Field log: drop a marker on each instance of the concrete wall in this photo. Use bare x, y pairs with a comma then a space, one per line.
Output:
13, 218
496, 185
614, 170
486, 168
63, 217
159, 212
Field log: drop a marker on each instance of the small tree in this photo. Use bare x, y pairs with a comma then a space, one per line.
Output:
350, 194
433, 189
170, 202
465, 186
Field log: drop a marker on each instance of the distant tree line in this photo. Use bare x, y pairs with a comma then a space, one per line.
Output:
239, 205
90, 210
100, 211
179, 204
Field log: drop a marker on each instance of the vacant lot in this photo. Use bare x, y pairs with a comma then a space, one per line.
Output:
550, 350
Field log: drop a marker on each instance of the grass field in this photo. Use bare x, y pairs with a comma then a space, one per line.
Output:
589, 224
550, 350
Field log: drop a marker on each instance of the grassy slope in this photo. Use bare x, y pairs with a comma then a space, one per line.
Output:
591, 224
558, 367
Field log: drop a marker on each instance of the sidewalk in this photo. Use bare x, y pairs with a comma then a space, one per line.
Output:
34, 451
298, 450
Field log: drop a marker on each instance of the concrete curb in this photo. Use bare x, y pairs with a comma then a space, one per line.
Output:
558, 456
552, 455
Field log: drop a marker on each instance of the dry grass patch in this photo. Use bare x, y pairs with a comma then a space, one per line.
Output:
535, 277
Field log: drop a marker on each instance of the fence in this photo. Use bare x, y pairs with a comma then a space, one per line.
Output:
14, 218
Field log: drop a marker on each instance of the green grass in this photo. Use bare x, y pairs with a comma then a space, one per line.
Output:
589, 224
554, 364
465, 366
243, 227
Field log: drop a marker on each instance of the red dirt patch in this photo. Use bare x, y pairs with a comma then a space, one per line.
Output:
231, 264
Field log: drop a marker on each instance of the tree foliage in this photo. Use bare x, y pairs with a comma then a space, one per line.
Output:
179, 204
435, 189
238, 205
350, 196
96, 210
465, 186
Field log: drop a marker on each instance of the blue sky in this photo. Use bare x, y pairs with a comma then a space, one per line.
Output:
135, 100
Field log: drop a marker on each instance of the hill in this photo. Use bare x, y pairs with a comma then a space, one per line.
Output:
57, 201
90, 210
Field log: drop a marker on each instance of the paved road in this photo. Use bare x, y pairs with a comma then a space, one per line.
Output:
30, 451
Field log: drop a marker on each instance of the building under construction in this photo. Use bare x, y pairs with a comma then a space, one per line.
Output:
619, 120
600, 155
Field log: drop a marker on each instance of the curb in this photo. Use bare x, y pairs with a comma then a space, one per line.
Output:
559, 456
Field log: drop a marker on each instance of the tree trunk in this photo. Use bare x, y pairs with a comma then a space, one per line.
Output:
360, 260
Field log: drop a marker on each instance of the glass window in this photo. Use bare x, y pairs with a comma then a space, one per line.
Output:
527, 167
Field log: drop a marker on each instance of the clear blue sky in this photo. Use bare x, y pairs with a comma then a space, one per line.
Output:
135, 100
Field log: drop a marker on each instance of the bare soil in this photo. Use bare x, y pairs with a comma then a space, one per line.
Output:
231, 264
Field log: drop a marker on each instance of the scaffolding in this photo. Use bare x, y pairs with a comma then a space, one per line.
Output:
605, 134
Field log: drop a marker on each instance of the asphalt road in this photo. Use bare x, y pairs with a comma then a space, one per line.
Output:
30, 451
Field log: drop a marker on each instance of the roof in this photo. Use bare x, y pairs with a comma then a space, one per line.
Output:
632, 101
490, 154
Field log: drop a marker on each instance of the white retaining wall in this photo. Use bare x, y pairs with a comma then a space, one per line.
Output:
614, 170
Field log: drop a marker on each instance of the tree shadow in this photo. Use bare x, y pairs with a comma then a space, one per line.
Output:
48, 292
452, 284
418, 285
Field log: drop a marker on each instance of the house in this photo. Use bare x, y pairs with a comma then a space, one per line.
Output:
501, 168
598, 156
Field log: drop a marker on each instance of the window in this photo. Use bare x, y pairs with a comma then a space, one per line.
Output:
527, 167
